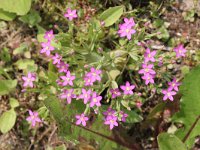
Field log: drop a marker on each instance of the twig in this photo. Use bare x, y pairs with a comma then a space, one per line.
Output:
191, 128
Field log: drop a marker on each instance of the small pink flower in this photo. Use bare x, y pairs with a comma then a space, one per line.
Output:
129, 22
147, 69
115, 92
174, 85
95, 100
180, 51
148, 78
168, 94
86, 95
33, 118
127, 88
112, 121
109, 112
94, 74
126, 31
88, 81
49, 35
68, 79
81, 119
149, 56
138, 104
47, 48
28, 80
123, 116
68, 94
57, 59
70, 14
62, 67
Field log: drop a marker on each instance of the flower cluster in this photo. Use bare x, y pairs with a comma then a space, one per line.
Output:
147, 69
111, 117
126, 29
171, 91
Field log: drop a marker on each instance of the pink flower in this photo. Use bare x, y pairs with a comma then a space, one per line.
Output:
149, 56
148, 78
112, 121
168, 94
56, 59
70, 14
115, 93
88, 81
68, 79
180, 51
81, 119
68, 94
33, 118
126, 31
95, 100
86, 95
109, 112
123, 116
47, 48
49, 35
147, 69
94, 74
129, 22
127, 88
28, 80
62, 67
138, 104
174, 85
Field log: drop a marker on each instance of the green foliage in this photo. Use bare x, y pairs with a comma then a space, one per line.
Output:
26, 64
7, 120
32, 18
111, 15
7, 16
170, 142
14, 103
189, 106
20, 7
7, 86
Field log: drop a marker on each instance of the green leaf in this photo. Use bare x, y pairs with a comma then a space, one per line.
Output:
133, 117
21, 49
111, 15
61, 147
163, 33
7, 16
5, 55
114, 73
26, 64
170, 142
20, 7
7, 120
7, 86
32, 18
55, 107
189, 106
14, 103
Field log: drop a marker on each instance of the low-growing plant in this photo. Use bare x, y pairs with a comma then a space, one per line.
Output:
99, 73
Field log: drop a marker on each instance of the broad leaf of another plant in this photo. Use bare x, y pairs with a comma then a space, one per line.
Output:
20, 7
7, 86
189, 106
7, 120
7, 16
111, 15
168, 141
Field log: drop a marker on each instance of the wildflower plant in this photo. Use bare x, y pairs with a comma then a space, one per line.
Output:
90, 82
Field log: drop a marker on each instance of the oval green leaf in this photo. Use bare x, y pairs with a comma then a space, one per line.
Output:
170, 142
111, 15
7, 121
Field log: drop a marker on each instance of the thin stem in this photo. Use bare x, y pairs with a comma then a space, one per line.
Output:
191, 128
